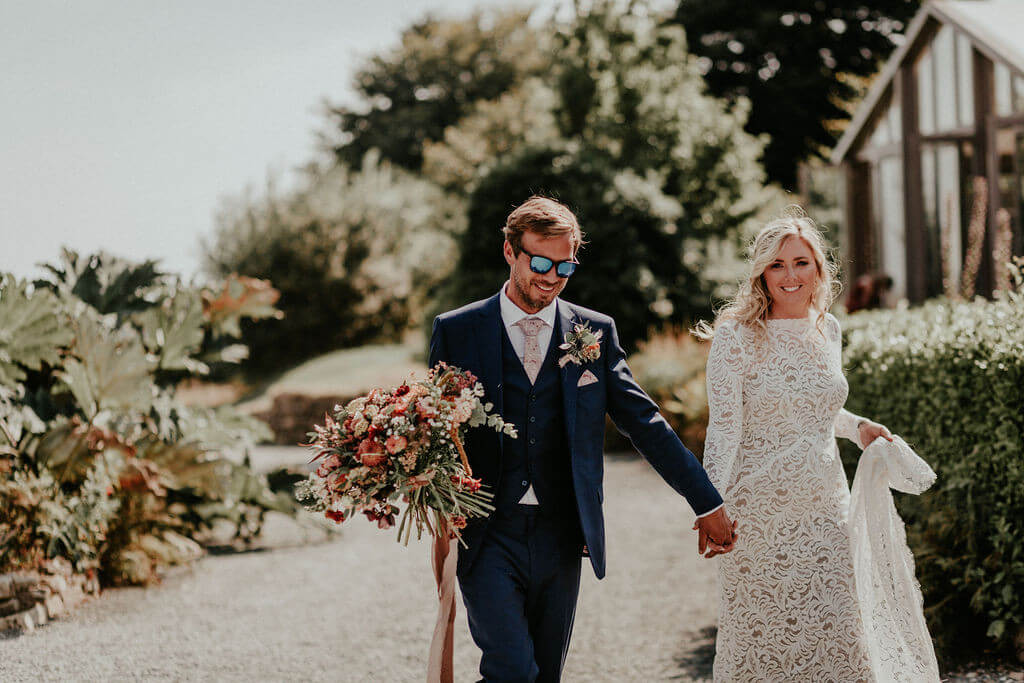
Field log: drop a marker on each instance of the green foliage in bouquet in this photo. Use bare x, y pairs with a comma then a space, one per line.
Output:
948, 377
100, 464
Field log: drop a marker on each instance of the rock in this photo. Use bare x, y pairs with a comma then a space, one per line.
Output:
55, 606
24, 582
57, 583
17, 623
9, 606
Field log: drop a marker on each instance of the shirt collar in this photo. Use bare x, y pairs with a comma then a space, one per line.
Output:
511, 313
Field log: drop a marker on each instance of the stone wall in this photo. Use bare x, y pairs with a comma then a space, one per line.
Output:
29, 600
292, 416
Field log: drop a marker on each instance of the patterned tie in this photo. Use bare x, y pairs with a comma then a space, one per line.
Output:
531, 327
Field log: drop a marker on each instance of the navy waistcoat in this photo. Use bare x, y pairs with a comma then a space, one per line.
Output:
540, 454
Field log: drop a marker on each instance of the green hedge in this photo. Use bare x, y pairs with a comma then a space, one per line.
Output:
949, 378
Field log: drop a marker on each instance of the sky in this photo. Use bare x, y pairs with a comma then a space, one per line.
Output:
125, 124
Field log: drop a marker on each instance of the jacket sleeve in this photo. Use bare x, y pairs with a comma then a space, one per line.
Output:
637, 416
438, 345
724, 379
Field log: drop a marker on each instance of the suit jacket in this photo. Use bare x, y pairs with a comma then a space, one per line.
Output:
470, 338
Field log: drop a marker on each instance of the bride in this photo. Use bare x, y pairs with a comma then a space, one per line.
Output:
788, 600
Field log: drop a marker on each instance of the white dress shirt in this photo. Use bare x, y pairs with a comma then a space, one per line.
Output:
512, 314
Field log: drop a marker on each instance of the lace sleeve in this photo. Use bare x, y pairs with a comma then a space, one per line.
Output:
725, 404
845, 422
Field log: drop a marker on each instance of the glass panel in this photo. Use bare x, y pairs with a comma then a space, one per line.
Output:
929, 196
1008, 142
880, 135
965, 79
949, 212
1003, 93
1018, 238
895, 116
925, 94
889, 220
945, 79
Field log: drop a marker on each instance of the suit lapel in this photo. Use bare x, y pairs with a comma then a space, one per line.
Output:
488, 344
570, 375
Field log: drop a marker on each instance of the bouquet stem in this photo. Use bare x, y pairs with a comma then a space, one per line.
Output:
462, 451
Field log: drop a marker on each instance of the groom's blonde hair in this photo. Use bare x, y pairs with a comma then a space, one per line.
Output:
545, 217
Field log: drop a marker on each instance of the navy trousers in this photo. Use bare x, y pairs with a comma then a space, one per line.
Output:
520, 595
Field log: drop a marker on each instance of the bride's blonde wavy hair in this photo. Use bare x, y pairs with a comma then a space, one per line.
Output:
752, 302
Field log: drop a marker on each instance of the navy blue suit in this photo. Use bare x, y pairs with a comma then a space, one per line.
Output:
519, 573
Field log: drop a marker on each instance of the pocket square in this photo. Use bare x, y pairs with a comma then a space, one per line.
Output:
586, 378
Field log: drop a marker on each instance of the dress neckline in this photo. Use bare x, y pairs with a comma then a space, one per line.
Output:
812, 314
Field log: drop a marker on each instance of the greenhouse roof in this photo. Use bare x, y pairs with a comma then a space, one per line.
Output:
994, 27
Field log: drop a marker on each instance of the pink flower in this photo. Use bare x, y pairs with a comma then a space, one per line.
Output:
395, 443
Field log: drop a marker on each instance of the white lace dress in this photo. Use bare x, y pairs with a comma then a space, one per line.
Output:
788, 601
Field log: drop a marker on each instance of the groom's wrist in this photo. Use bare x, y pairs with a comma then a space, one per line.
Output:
711, 511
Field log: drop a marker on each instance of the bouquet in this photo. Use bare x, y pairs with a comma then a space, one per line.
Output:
403, 444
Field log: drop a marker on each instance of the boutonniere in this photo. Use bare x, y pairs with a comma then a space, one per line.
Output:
582, 345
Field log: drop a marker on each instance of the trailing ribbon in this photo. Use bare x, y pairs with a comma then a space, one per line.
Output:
445, 559
445, 556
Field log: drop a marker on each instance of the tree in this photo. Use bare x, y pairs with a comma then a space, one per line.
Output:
801, 63
355, 255
439, 72
662, 176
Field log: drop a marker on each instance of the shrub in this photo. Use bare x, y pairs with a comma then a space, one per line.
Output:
949, 378
355, 255
100, 465
670, 367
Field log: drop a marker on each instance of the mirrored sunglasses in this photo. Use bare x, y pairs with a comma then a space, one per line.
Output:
542, 264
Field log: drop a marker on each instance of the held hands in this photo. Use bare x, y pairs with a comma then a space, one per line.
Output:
715, 531
868, 431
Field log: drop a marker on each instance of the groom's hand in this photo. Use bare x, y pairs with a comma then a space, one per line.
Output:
715, 531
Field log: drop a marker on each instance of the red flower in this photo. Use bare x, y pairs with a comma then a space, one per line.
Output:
468, 483
385, 518
370, 452
402, 390
338, 517
458, 521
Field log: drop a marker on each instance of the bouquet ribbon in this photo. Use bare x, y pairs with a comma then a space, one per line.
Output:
445, 560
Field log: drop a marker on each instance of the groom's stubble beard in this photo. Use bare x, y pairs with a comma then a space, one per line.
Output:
522, 283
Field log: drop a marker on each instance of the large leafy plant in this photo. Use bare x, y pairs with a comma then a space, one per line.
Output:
102, 465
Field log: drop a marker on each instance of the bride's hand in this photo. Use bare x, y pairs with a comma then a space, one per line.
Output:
868, 431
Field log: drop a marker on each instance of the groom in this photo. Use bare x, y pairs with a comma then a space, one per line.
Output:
520, 573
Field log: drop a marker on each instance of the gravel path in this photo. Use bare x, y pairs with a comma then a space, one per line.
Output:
361, 607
